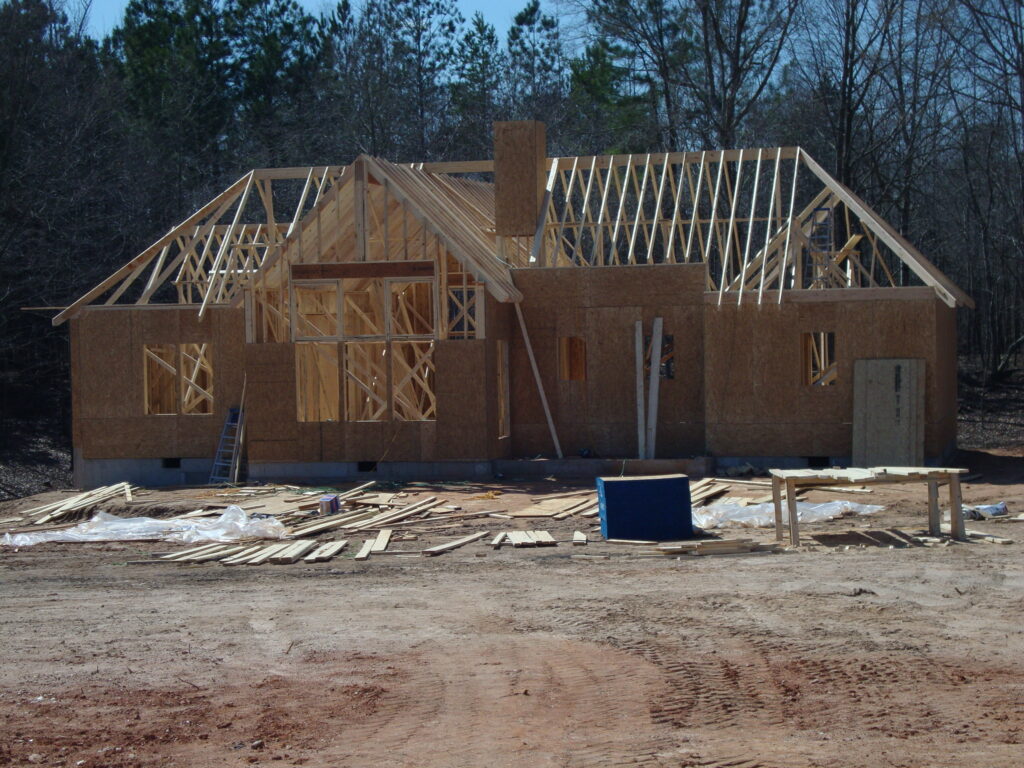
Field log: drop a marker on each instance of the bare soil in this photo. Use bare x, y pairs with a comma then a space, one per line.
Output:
565, 656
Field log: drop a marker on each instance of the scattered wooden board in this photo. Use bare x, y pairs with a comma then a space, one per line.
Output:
326, 552
543, 538
454, 544
381, 542
521, 539
365, 550
293, 553
579, 538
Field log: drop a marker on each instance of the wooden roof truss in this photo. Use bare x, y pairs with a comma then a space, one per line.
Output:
763, 220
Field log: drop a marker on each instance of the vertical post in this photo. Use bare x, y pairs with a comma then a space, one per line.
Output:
652, 399
956, 509
777, 501
934, 516
641, 424
540, 384
359, 206
794, 522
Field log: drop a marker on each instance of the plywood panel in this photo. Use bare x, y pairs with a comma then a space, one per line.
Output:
140, 437
109, 375
519, 176
753, 370
888, 412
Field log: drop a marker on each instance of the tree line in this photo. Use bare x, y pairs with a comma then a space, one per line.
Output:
917, 105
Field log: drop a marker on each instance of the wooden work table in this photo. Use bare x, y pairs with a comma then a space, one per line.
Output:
795, 479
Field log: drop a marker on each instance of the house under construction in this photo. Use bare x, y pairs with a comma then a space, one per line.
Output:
376, 319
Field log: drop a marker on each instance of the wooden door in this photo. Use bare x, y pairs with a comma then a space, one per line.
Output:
888, 412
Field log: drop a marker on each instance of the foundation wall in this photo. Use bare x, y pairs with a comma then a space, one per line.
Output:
597, 415
107, 381
757, 404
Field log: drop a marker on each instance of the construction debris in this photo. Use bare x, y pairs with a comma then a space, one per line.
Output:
717, 547
74, 508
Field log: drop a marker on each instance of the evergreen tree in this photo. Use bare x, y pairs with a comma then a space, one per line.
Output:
480, 66
536, 81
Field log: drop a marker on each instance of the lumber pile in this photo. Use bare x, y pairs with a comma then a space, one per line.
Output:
525, 539
75, 507
717, 547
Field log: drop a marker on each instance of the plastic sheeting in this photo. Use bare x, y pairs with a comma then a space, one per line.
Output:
763, 515
232, 525
985, 511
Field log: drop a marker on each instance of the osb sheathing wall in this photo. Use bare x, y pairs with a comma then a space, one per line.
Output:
108, 400
757, 401
601, 306
462, 429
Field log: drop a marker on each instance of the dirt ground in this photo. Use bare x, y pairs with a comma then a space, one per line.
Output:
565, 656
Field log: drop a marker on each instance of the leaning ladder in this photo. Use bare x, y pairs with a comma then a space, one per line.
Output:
228, 459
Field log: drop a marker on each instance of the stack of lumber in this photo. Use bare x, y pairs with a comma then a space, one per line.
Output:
716, 547
525, 539
73, 508
559, 506
702, 491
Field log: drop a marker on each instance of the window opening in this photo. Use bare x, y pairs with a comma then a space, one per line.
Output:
412, 308
197, 379
413, 375
462, 313
366, 381
316, 310
572, 358
819, 359
161, 379
317, 390
363, 307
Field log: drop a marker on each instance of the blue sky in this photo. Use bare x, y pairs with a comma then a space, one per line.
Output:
104, 15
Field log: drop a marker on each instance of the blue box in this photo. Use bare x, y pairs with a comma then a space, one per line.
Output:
647, 508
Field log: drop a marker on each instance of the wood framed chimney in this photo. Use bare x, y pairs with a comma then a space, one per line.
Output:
520, 160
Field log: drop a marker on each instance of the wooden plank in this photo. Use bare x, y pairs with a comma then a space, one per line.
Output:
326, 551
934, 515
537, 380
794, 521
777, 504
579, 538
543, 538
190, 551
454, 544
497, 540
655, 380
641, 424
266, 553
245, 554
293, 553
565, 495
362, 270
956, 509
214, 554
365, 550
380, 544
521, 539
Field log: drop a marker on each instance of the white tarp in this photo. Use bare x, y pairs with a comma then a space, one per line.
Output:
232, 525
763, 515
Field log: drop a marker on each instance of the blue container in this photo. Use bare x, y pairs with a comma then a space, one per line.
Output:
648, 508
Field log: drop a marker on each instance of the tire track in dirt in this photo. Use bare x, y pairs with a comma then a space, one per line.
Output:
730, 676
557, 701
